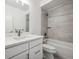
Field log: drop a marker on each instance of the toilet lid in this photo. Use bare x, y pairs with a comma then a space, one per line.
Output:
49, 47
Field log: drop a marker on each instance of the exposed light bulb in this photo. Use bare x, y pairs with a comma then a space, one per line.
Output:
22, 4
17, 1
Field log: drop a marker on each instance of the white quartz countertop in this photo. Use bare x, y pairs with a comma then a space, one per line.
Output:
9, 41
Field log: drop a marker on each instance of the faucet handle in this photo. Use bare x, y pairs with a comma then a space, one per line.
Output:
21, 30
16, 30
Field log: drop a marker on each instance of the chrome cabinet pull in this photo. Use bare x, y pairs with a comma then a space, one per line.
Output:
37, 52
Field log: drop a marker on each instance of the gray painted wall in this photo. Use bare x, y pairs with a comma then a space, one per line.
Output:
44, 23
60, 18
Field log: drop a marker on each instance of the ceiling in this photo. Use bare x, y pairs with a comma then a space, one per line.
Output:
25, 7
54, 3
46, 5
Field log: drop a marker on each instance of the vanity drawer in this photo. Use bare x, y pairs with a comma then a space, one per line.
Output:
15, 50
36, 42
36, 52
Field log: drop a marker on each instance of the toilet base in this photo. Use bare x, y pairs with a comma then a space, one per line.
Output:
48, 55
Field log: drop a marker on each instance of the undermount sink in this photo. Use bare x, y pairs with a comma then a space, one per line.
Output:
21, 37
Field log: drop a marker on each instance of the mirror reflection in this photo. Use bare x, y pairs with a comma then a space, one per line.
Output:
16, 16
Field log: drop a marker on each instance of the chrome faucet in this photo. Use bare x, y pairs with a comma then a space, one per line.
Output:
19, 31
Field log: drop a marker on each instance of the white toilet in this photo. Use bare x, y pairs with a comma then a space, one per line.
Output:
49, 51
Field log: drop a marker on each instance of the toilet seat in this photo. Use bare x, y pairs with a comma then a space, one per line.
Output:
49, 48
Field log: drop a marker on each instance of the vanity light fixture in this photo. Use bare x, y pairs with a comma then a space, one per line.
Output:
20, 1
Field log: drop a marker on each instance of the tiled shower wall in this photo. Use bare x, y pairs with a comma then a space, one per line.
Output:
60, 19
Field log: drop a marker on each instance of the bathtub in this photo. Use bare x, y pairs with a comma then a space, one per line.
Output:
64, 49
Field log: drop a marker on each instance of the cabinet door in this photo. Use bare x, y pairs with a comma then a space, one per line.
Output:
36, 52
21, 56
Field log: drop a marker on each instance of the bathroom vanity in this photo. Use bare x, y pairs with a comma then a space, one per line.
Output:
26, 48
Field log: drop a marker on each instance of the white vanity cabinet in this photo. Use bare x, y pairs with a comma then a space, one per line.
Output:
30, 50
23, 55
16, 52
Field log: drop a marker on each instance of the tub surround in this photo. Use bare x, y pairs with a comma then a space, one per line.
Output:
60, 19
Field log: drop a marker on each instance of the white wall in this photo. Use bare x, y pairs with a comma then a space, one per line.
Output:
35, 17
17, 16
61, 20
